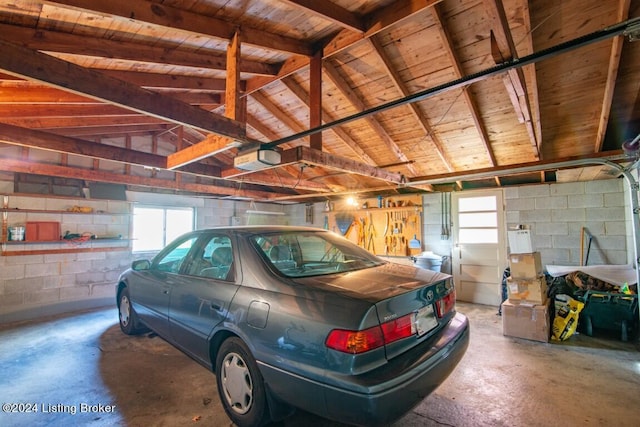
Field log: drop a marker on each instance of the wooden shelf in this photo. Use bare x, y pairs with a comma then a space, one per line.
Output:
47, 211
360, 210
64, 251
68, 241
61, 246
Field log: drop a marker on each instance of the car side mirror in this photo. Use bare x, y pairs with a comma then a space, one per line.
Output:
141, 265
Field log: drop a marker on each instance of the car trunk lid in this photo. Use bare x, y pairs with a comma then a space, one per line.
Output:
403, 297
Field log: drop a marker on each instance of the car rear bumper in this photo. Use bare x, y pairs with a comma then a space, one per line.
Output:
383, 395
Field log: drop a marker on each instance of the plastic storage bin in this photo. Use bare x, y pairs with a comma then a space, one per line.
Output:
610, 310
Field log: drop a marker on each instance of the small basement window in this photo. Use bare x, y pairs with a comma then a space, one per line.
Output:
154, 227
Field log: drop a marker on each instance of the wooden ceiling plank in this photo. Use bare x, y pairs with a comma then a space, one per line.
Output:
277, 112
327, 117
64, 75
50, 41
430, 136
168, 81
506, 46
392, 146
332, 12
612, 73
447, 42
79, 122
170, 17
377, 21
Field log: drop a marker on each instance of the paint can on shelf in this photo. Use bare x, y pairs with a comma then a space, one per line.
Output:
16, 233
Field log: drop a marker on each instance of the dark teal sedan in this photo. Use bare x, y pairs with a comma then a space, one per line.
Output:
297, 317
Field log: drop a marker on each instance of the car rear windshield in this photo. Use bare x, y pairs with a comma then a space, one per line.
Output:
308, 253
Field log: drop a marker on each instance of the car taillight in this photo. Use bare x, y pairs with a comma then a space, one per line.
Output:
355, 342
446, 304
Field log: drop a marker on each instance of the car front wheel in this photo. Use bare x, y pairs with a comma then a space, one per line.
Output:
129, 323
240, 384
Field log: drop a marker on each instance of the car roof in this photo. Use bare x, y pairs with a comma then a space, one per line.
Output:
261, 228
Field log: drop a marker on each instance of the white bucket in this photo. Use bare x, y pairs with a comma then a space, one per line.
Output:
16, 233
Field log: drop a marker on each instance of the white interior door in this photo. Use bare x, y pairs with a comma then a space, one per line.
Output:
479, 252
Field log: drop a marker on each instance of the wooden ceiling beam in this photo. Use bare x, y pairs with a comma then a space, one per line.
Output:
327, 117
291, 170
331, 12
234, 110
21, 166
63, 110
26, 93
315, 99
355, 100
272, 178
25, 137
50, 41
435, 143
110, 131
166, 16
81, 121
612, 74
447, 42
64, 75
330, 161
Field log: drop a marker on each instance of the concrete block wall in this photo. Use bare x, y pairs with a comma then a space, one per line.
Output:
556, 213
37, 285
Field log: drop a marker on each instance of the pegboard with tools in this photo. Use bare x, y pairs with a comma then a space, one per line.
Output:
383, 226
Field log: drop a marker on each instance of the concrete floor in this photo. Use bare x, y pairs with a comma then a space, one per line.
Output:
82, 363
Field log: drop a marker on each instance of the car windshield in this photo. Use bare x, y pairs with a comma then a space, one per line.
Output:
308, 253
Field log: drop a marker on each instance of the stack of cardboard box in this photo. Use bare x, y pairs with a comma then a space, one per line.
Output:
526, 313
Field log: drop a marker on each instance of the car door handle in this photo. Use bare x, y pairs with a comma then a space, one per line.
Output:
165, 291
215, 306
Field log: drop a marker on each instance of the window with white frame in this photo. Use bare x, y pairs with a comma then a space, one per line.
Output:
155, 227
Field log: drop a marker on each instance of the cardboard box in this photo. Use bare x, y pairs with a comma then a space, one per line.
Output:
42, 231
532, 291
526, 321
520, 242
525, 266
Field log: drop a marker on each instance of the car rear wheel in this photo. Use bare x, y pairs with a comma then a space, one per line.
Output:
240, 384
129, 323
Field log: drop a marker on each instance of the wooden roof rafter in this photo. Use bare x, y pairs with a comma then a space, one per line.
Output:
355, 100
612, 71
468, 98
355, 147
376, 21
419, 116
514, 80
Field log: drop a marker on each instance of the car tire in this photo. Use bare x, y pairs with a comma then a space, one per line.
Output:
240, 384
128, 319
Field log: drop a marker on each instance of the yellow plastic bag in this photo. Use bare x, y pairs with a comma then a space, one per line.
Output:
566, 318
